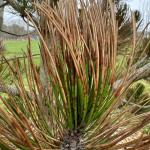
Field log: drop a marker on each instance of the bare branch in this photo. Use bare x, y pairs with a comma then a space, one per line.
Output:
138, 74
18, 35
141, 73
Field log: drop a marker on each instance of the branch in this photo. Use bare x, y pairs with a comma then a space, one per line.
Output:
138, 74
141, 73
27, 22
18, 35
15, 5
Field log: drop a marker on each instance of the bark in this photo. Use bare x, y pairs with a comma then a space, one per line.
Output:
48, 40
141, 73
138, 74
1, 25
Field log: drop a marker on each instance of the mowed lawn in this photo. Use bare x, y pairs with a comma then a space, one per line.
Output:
17, 47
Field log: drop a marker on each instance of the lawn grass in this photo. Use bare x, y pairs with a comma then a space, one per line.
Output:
17, 47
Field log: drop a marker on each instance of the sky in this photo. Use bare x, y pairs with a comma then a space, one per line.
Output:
10, 18
135, 4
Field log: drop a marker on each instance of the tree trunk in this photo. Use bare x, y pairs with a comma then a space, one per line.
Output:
1, 24
47, 38
1, 15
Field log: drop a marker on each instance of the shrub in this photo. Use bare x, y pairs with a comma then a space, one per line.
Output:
77, 105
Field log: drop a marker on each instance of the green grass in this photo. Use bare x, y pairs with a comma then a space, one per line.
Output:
16, 47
